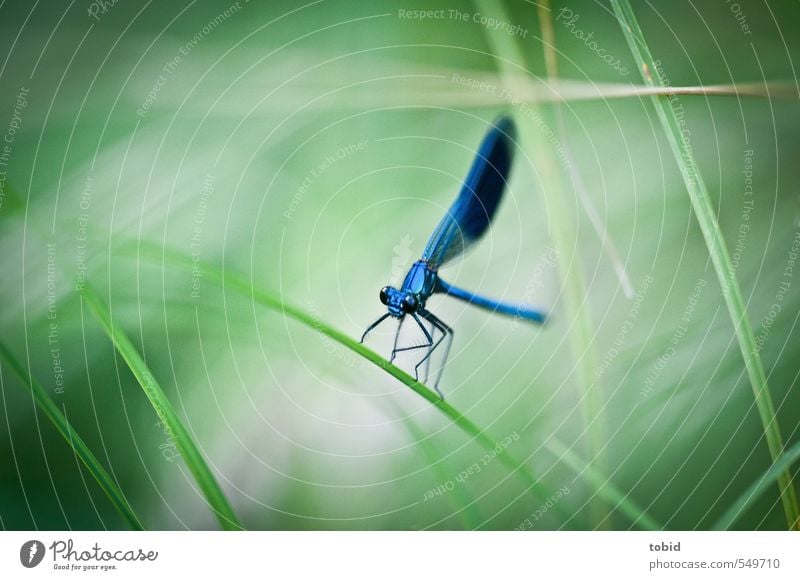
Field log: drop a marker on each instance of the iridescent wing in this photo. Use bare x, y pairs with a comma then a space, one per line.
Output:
471, 213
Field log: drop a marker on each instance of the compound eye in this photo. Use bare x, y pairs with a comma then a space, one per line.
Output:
409, 303
385, 295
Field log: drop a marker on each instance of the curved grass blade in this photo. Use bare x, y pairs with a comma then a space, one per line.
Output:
242, 286
752, 493
704, 211
604, 487
79, 447
468, 512
166, 414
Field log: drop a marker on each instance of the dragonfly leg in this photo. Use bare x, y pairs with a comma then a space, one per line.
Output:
428, 360
448, 333
444, 360
396, 336
373, 325
428, 337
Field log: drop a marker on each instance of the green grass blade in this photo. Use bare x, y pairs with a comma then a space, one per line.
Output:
534, 126
469, 514
163, 408
752, 493
81, 450
704, 211
604, 488
241, 285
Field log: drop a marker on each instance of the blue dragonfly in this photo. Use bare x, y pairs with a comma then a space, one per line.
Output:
464, 223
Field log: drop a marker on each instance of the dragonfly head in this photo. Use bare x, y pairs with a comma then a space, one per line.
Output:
399, 303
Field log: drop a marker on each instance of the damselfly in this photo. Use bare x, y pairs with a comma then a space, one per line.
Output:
463, 224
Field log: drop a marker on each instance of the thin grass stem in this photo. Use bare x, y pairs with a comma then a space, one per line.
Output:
706, 216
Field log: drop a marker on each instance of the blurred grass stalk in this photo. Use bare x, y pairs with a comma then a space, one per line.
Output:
701, 202
79, 447
166, 413
564, 233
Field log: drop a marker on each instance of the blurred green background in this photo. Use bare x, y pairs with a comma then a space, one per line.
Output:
312, 149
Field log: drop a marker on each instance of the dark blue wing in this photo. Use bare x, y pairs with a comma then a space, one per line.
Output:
471, 213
